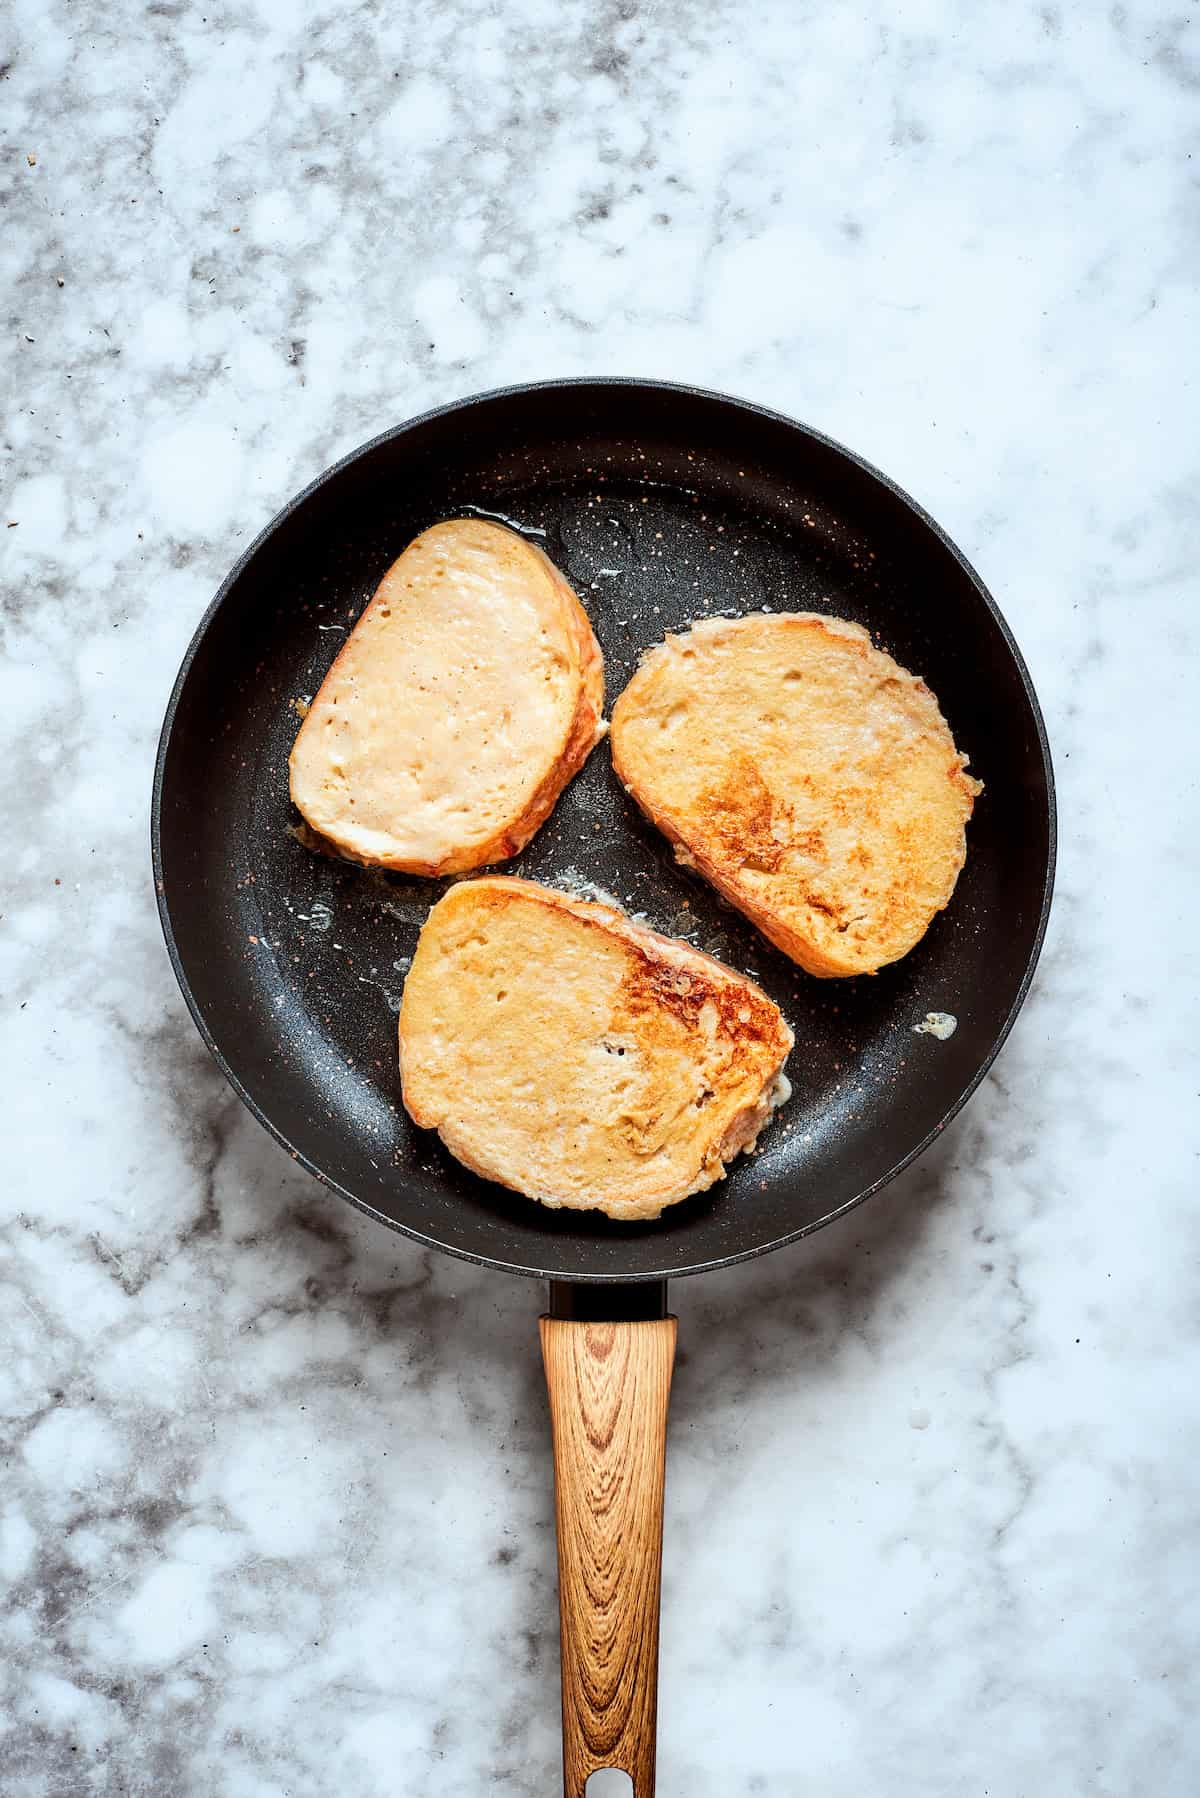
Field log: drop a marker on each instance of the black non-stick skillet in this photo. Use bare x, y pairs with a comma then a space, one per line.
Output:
662, 505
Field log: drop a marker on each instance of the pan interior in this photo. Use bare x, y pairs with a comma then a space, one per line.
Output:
661, 506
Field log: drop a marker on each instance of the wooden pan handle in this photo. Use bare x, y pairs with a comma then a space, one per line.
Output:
610, 1384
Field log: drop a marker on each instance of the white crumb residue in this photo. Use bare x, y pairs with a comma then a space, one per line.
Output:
319, 916
683, 923
781, 1092
570, 880
941, 1024
683, 856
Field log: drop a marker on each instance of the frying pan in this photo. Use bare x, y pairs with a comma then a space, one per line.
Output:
662, 504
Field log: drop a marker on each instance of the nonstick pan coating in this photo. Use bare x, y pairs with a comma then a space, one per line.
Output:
661, 504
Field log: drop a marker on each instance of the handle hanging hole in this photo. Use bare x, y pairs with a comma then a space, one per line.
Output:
609, 1782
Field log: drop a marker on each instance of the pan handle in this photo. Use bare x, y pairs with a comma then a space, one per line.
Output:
609, 1383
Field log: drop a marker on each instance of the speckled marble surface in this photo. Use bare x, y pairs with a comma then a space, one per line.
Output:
275, 1501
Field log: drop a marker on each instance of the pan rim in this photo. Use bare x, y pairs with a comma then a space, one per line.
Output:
512, 391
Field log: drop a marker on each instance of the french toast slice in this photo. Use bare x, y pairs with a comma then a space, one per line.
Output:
804, 773
465, 698
568, 1053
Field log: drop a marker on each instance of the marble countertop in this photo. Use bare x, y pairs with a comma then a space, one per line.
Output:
275, 1507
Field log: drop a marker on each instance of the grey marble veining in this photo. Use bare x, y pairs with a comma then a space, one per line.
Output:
274, 1504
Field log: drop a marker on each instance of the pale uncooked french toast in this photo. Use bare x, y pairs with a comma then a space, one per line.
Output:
465, 698
804, 773
577, 1057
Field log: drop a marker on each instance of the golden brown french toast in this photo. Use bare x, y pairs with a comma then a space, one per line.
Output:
804, 773
563, 1050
